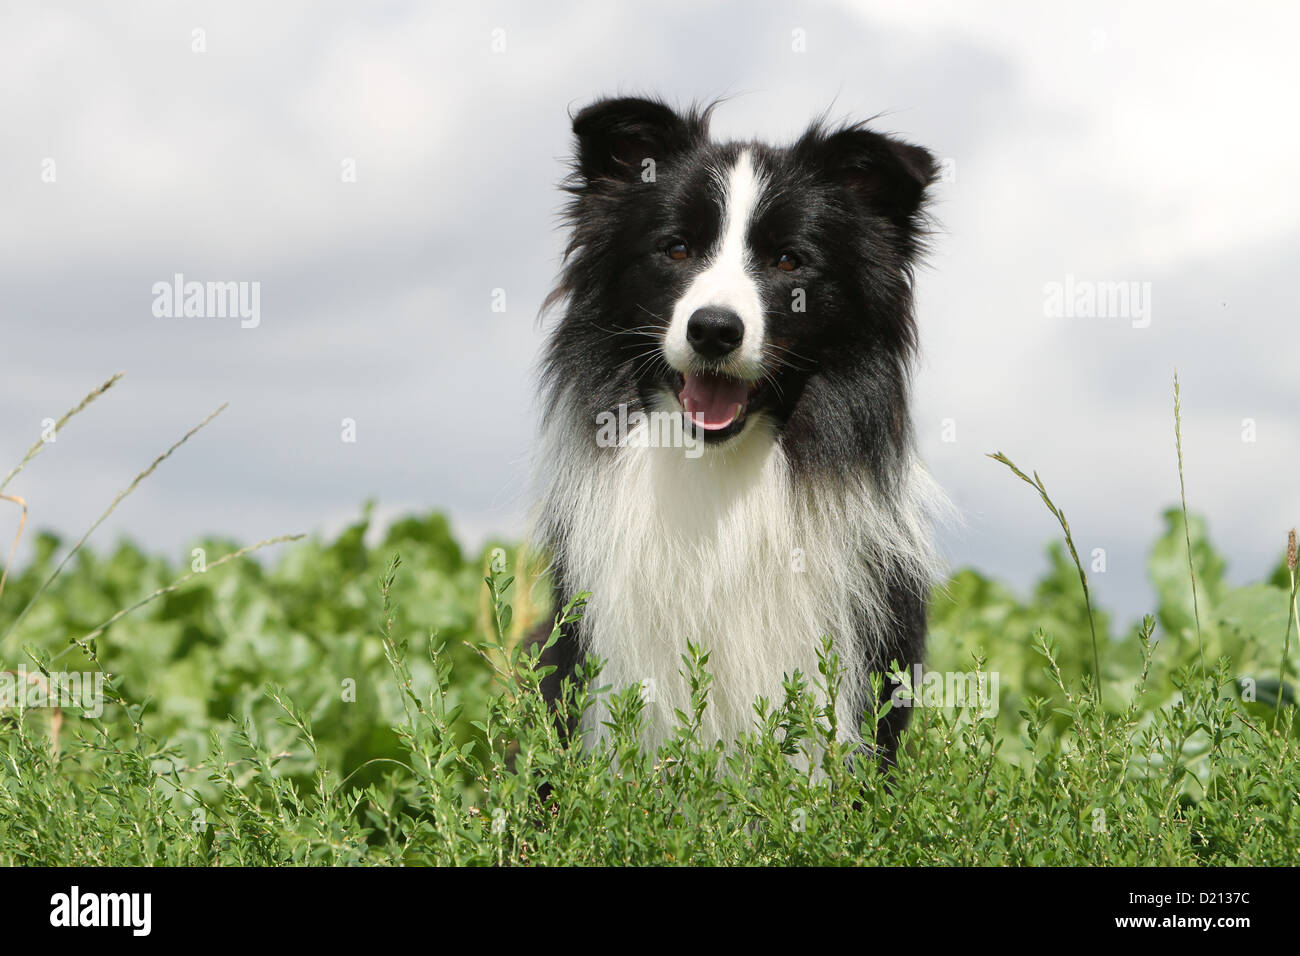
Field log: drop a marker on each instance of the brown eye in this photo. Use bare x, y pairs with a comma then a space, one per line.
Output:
677, 250
787, 262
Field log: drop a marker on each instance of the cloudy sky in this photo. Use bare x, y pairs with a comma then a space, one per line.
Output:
1087, 144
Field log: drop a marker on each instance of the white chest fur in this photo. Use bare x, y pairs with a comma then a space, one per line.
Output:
722, 551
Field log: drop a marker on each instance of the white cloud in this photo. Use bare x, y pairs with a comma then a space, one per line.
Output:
1107, 141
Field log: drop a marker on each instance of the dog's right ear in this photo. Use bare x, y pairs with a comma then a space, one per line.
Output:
616, 136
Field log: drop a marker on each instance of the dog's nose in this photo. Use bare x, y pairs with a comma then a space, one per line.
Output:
714, 332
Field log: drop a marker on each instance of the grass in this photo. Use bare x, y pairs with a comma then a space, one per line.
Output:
344, 706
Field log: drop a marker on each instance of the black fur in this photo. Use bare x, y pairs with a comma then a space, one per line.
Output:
850, 203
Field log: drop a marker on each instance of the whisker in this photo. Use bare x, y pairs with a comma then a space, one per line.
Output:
647, 363
649, 330
771, 380
652, 314
787, 350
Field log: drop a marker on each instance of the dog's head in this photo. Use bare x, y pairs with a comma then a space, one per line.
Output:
731, 279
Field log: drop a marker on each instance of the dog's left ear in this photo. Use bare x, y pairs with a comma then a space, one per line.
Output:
888, 174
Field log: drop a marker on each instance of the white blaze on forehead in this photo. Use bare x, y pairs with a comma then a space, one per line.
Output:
727, 281
741, 189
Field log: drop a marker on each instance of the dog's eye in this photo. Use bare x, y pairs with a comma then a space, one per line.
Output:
677, 250
787, 262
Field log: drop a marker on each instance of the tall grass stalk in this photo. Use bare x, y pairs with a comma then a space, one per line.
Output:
32, 453
1037, 484
84, 642
58, 425
1187, 532
18, 536
103, 517
1293, 614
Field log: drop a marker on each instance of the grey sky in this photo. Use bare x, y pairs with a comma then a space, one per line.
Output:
1104, 141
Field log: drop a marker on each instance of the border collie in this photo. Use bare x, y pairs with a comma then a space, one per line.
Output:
762, 298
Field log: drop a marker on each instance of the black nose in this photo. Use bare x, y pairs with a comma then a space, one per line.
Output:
714, 332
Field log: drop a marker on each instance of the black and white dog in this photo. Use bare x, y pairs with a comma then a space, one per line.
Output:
761, 298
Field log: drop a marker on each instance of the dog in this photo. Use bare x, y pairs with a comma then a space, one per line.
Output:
761, 298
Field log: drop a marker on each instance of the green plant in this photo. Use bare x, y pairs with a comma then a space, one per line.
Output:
270, 714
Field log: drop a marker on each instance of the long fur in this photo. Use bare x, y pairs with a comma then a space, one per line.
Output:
815, 518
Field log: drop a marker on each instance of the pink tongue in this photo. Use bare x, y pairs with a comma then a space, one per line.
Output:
713, 401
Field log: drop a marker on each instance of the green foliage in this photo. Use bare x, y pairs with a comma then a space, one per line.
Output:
331, 708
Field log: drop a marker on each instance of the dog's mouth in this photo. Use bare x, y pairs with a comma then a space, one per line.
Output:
714, 402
